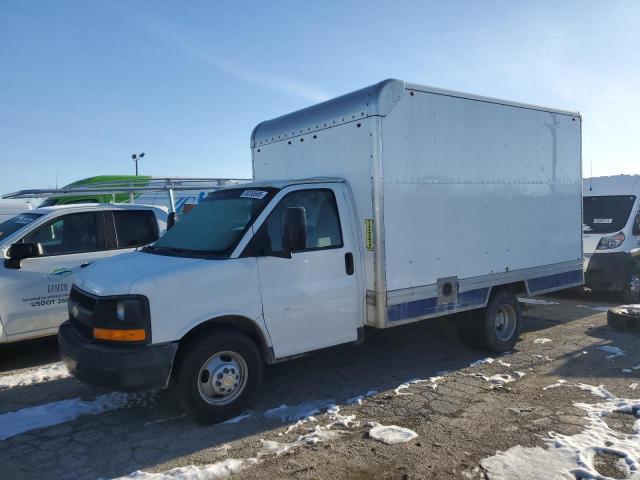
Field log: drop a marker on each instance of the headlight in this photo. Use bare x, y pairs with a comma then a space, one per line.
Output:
607, 243
122, 319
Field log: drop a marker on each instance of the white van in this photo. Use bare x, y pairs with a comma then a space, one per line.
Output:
390, 205
10, 208
43, 249
612, 235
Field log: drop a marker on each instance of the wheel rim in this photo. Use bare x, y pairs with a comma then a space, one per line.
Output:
505, 322
222, 378
634, 285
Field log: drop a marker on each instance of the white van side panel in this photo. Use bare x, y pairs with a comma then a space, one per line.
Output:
473, 188
344, 151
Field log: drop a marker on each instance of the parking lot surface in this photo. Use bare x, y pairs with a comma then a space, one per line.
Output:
542, 405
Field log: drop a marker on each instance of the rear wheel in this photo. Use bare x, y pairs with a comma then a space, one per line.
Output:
631, 291
218, 376
496, 327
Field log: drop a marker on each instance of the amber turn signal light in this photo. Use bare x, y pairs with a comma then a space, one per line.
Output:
119, 335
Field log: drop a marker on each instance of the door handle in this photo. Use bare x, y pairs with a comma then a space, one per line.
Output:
85, 264
348, 263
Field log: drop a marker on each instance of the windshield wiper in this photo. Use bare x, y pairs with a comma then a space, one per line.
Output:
170, 250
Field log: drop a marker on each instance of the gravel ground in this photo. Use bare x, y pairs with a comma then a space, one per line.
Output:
460, 419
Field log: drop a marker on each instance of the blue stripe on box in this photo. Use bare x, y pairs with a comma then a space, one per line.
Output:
429, 306
555, 281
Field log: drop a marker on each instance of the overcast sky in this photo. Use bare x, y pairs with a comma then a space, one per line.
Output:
84, 84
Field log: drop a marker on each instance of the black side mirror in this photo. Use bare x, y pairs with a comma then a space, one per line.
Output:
636, 226
20, 251
171, 220
294, 229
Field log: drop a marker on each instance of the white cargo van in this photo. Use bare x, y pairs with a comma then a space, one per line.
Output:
43, 249
386, 206
612, 235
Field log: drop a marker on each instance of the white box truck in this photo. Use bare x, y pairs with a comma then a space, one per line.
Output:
392, 204
612, 235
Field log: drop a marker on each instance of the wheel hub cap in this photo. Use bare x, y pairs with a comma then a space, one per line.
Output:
222, 378
505, 322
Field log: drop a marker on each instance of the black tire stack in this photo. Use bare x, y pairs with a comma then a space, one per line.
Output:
624, 317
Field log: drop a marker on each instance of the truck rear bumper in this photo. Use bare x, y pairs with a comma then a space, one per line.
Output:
608, 271
120, 367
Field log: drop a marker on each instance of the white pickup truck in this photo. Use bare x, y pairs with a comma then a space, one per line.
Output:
43, 249
390, 205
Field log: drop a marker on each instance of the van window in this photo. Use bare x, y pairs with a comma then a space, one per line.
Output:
606, 214
323, 221
135, 228
73, 233
11, 226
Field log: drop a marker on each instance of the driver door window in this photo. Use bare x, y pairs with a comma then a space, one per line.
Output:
74, 233
323, 222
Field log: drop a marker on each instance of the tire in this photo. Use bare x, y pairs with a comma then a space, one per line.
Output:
470, 330
624, 317
631, 291
502, 322
224, 355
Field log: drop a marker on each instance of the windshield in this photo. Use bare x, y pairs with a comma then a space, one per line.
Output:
16, 223
216, 225
606, 214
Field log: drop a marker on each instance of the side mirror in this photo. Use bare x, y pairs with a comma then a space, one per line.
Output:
171, 220
636, 226
20, 251
294, 229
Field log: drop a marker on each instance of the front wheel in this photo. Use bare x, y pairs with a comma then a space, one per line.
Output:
218, 376
631, 290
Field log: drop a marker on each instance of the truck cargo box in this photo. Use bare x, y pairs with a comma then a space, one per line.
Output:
455, 193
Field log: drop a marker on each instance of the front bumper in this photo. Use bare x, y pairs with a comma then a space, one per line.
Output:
119, 367
608, 271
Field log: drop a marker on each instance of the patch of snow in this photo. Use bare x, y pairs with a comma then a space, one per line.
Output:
32, 376
358, 399
237, 419
391, 434
633, 386
612, 351
536, 301
496, 380
572, 456
519, 374
504, 364
559, 383
302, 411
542, 341
55, 413
215, 471
432, 380
482, 361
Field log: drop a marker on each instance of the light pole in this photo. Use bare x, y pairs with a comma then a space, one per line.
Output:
135, 157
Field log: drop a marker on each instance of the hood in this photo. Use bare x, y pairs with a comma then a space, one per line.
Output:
118, 275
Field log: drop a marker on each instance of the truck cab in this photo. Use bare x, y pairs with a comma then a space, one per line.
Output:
269, 269
611, 238
43, 250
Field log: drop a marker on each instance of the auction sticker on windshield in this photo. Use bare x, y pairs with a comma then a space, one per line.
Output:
257, 194
603, 220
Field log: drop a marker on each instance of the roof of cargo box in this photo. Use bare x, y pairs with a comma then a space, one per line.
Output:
375, 100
